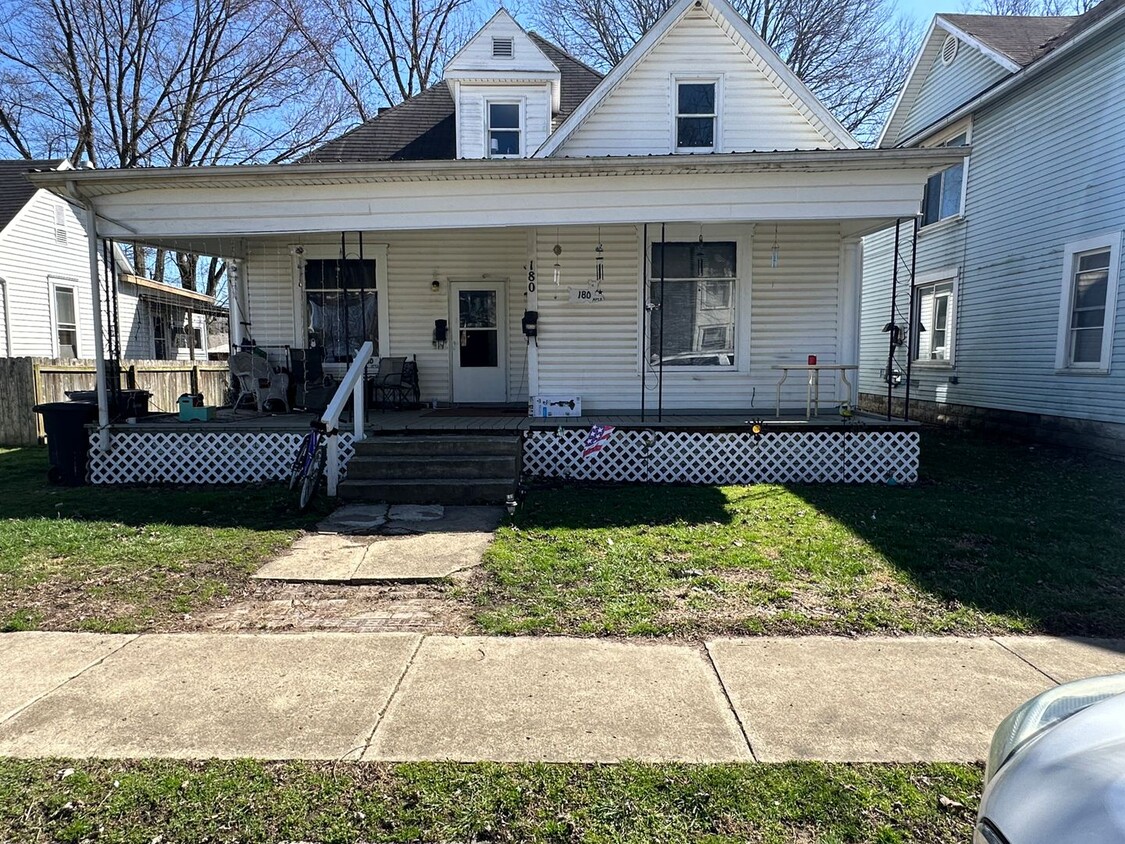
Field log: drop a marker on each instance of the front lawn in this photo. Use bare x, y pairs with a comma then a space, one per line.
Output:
994, 538
167, 801
123, 560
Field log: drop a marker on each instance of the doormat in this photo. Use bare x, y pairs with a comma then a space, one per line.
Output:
498, 410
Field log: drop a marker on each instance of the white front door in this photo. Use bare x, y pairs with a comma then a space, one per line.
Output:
480, 347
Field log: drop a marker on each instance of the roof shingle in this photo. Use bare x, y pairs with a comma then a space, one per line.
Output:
15, 189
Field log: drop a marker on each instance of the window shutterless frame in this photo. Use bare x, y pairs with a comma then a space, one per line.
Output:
1091, 270
503, 128
64, 316
944, 195
696, 110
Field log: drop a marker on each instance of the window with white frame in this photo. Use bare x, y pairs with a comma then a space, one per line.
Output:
696, 115
1089, 296
505, 130
942, 197
693, 321
934, 322
65, 304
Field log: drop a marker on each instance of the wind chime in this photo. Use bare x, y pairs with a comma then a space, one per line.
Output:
558, 267
599, 263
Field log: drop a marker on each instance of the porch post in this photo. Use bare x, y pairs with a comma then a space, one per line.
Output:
532, 304
99, 336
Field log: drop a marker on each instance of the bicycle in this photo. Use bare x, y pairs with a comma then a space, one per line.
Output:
310, 461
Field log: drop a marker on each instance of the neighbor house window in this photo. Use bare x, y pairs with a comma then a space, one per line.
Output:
342, 306
696, 115
505, 130
942, 197
693, 321
933, 322
1089, 299
66, 320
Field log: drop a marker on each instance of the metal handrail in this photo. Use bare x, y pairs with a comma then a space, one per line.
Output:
352, 384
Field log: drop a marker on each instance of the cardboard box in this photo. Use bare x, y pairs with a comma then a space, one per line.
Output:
545, 406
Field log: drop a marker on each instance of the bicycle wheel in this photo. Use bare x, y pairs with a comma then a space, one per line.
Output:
300, 462
311, 480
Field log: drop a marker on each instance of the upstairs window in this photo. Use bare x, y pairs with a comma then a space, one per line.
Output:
696, 116
505, 130
942, 198
1089, 299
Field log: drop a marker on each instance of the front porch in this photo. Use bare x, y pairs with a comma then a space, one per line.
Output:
696, 447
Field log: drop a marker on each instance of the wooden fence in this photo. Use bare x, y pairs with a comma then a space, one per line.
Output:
26, 382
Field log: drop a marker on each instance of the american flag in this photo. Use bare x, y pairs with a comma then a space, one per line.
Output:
599, 436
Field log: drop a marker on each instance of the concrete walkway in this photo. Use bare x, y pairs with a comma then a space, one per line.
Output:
376, 543
408, 697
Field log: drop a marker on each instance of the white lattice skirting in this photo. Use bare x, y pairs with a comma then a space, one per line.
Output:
837, 456
183, 457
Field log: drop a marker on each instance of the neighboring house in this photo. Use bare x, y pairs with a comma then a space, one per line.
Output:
46, 304
656, 241
1015, 322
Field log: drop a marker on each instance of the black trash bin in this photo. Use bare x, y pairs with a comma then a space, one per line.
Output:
68, 441
130, 403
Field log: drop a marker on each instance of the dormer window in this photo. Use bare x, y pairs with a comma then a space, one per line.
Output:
505, 130
503, 48
696, 115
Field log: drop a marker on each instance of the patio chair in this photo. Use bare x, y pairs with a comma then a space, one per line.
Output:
258, 381
389, 386
313, 389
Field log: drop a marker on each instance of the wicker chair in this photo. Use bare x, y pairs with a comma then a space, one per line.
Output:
257, 381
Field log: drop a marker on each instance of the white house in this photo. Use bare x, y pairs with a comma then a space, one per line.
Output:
1013, 321
654, 243
46, 304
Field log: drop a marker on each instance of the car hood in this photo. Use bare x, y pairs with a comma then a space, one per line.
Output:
1068, 783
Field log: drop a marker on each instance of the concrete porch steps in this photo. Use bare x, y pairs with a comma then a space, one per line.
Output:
446, 469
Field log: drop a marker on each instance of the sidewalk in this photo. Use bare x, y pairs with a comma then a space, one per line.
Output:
408, 697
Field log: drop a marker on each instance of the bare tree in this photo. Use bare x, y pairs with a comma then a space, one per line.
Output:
381, 52
128, 83
1030, 7
853, 54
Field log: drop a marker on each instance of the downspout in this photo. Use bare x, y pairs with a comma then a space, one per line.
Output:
7, 317
99, 337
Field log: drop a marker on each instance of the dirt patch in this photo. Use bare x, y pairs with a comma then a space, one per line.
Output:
279, 607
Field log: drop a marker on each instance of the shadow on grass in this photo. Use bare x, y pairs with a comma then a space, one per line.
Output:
28, 495
627, 505
1026, 532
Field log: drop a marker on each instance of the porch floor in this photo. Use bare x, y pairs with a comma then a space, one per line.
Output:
427, 421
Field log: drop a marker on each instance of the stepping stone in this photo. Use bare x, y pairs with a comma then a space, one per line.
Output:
415, 512
318, 558
355, 519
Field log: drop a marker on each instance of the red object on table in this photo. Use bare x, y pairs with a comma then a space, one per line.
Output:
812, 360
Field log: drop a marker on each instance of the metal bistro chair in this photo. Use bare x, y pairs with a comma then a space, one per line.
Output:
395, 383
257, 381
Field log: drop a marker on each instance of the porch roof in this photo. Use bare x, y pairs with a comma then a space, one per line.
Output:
216, 210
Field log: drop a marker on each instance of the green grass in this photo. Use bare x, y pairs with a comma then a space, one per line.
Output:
124, 560
166, 801
993, 538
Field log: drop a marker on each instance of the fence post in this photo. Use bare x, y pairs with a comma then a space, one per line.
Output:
194, 380
131, 377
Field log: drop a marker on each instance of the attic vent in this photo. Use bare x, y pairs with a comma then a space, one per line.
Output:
949, 50
502, 48
60, 237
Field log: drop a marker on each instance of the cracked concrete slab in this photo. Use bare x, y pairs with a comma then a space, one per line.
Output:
270, 696
561, 700
34, 663
355, 519
427, 556
1069, 659
321, 558
872, 699
415, 512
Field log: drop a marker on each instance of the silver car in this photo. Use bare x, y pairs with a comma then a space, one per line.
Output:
1056, 769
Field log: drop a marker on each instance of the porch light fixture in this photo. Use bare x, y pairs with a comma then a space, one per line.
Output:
435, 286
775, 250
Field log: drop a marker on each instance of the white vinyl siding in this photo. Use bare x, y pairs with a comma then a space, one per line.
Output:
1043, 174
948, 86
635, 118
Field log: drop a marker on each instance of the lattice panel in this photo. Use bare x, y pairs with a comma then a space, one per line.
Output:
837, 456
196, 457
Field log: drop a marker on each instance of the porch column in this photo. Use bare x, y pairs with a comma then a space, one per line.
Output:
99, 337
532, 304
851, 256
236, 301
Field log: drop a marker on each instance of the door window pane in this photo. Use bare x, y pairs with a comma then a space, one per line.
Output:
477, 308
479, 348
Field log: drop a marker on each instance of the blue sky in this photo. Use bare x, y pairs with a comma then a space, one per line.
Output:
923, 10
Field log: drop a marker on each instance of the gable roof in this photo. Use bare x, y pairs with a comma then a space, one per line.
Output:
423, 127
1015, 42
15, 189
785, 79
